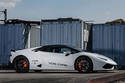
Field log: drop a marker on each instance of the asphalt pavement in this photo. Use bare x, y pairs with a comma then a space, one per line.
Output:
10, 76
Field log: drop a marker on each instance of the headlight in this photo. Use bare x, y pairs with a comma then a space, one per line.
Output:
103, 58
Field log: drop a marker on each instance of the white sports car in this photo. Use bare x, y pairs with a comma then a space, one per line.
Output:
59, 57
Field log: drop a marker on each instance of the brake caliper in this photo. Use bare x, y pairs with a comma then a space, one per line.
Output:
80, 65
24, 64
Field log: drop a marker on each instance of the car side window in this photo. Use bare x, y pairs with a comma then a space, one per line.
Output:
65, 50
56, 50
49, 49
45, 48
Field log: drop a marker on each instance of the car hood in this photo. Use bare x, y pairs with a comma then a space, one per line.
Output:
92, 54
98, 56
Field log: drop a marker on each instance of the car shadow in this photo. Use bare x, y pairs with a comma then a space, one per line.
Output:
54, 72
73, 72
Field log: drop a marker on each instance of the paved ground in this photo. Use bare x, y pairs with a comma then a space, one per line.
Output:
120, 81
7, 76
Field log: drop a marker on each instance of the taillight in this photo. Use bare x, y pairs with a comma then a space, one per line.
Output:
12, 50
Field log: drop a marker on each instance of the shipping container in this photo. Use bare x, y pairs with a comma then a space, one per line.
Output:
34, 36
12, 36
32, 33
66, 31
109, 40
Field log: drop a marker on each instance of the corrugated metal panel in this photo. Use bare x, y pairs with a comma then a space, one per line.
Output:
34, 37
11, 37
64, 32
108, 39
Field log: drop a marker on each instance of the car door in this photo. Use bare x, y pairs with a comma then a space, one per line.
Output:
45, 56
54, 57
60, 60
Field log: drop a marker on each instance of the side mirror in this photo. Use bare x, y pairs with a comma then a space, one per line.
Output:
67, 53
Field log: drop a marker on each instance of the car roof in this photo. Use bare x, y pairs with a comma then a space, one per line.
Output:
60, 45
55, 46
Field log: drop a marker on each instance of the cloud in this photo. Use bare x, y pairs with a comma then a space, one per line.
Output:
9, 3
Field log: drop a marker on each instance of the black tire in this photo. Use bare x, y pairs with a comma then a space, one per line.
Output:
21, 64
84, 64
37, 71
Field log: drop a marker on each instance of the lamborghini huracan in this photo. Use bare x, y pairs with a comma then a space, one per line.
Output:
59, 57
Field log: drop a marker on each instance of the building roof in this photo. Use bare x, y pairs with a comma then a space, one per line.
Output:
17, 21
60, 19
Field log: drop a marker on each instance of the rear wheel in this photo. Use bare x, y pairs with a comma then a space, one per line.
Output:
21, 65
84, 64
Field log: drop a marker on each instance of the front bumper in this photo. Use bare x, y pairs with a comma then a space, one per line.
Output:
104, 65
109, 66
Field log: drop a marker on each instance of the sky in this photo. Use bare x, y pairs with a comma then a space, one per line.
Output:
97, 11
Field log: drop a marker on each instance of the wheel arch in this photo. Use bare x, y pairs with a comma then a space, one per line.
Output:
82, 56
19, 57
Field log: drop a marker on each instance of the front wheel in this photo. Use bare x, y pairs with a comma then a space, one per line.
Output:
21, 65
84, 64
